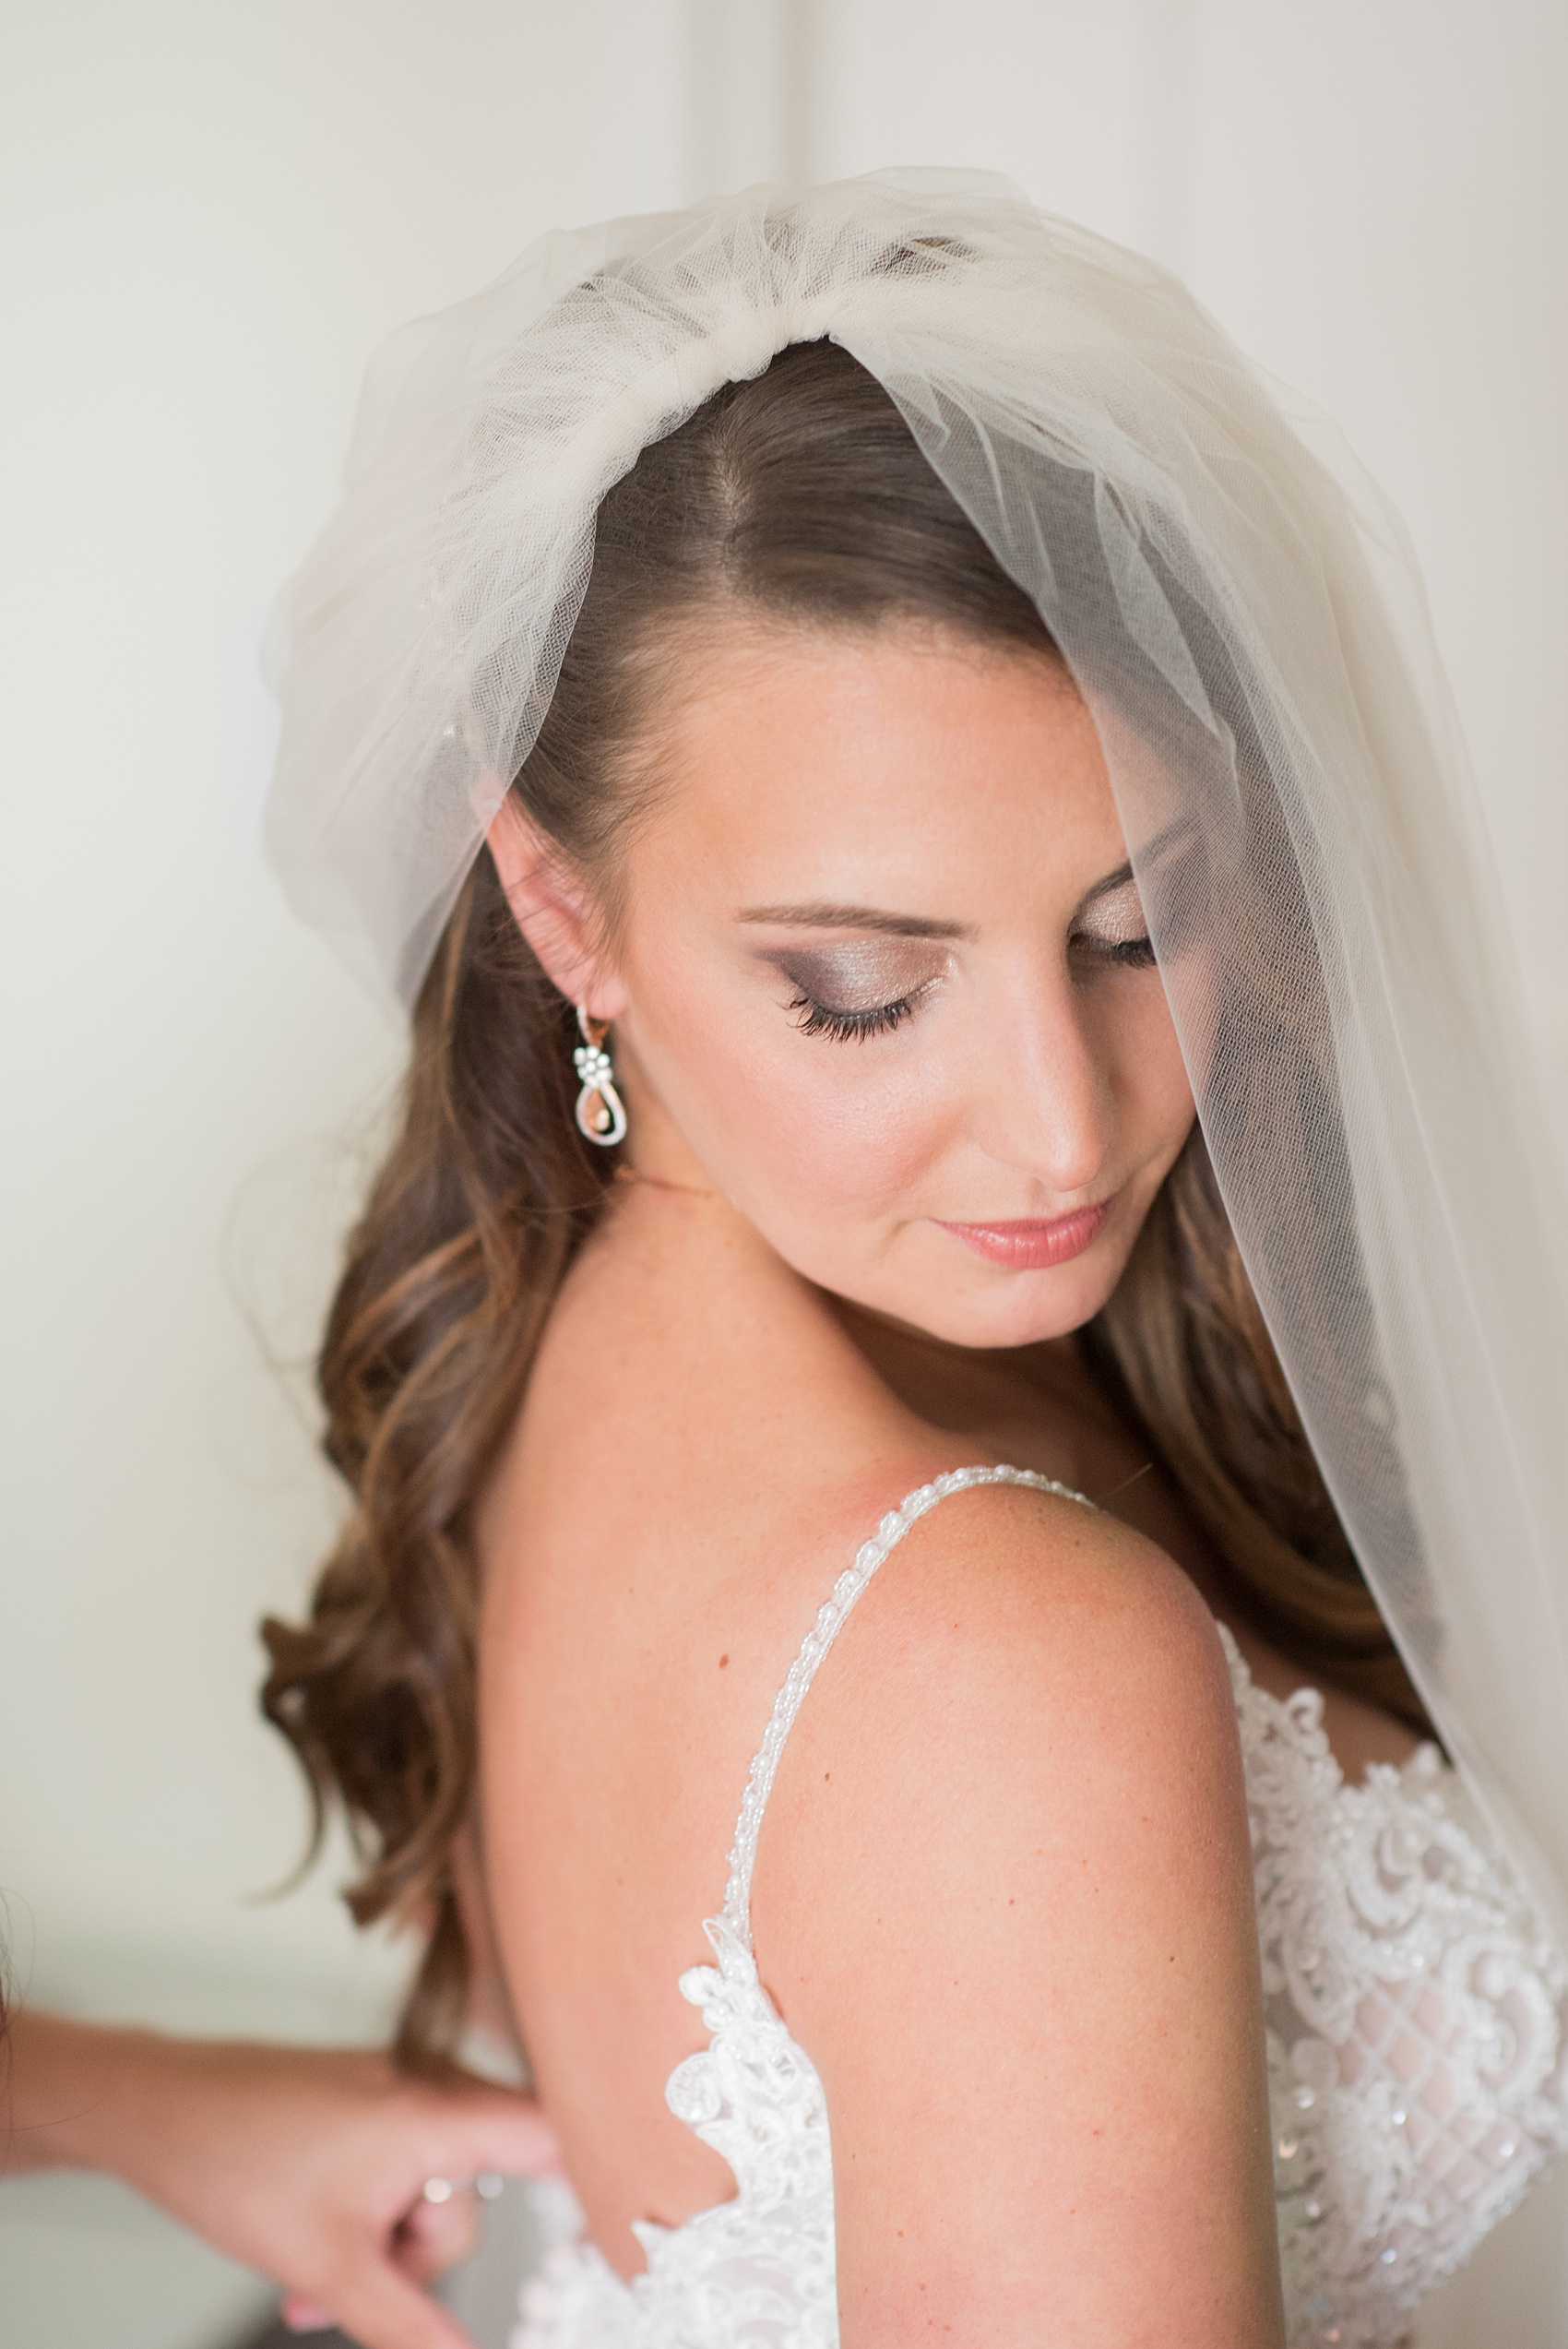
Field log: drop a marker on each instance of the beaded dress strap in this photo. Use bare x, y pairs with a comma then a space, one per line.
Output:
830, 1620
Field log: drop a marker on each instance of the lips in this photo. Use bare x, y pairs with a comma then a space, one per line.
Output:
1029, 1246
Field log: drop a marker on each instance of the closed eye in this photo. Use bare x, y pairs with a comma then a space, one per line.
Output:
1124, 954
815, 1018
1111, 930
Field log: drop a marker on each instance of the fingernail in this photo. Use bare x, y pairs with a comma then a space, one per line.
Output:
303, 2316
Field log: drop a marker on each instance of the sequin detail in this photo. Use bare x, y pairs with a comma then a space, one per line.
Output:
1415, 2010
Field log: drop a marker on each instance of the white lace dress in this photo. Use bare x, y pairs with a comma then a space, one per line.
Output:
1417, 2052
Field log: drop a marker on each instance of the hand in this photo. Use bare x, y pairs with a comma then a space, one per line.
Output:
308, 2165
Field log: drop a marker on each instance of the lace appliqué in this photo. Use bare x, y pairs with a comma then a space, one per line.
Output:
756, 2272
1414, 2009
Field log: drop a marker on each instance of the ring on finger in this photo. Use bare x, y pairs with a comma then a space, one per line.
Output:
486, 2184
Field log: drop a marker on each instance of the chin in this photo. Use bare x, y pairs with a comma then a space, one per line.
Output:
992, 1328
992, 1309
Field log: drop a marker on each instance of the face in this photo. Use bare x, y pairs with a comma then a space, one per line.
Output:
883, 978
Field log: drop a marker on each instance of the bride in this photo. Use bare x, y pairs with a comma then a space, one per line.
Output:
964, 1277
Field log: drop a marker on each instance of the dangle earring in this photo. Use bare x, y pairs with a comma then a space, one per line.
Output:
602, 1113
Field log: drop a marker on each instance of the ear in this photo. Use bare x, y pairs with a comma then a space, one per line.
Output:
551, 908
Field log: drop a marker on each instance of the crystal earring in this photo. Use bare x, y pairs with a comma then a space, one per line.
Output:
602, 1113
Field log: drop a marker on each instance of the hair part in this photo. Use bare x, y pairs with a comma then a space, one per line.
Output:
799, 496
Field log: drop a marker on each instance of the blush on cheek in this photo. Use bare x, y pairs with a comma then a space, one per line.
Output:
828, 1147
804, 1134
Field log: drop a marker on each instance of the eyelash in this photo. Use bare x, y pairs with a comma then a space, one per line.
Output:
1127, 954
844, 1027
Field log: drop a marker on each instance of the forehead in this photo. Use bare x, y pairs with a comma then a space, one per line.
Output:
795, 760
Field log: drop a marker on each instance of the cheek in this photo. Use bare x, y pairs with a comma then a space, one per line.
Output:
1155, 1091
1196, 987
831, 1131
1170, 1087
845, 1149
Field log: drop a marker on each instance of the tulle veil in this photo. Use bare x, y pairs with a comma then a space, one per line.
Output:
1243, 613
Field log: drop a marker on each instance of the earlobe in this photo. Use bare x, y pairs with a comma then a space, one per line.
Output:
550, 907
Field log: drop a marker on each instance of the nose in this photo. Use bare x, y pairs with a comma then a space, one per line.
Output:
1045, 1087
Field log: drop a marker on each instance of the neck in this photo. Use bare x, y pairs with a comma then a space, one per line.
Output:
662, 1183
656, 1154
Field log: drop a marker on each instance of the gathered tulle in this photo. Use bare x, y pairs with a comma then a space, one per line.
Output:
755, 2272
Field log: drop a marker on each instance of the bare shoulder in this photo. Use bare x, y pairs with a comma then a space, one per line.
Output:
1005, 1901
1020, 1661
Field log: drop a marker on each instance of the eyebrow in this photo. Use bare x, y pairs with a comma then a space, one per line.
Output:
1146, 855
823, 916
1109, 887
898, 925
856, 917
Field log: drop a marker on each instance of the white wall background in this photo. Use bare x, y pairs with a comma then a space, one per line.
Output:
209, 213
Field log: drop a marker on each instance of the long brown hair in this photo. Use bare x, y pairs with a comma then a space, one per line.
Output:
801, 493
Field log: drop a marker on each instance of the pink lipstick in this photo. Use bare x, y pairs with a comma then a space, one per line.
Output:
1032, 1247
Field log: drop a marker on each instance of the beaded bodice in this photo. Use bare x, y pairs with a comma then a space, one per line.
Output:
1417, 2054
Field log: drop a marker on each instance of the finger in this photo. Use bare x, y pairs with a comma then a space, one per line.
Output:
303, 2316
379, 2310
433, 2236
500, 2131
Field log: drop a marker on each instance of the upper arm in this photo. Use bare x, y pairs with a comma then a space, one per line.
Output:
1005, 1902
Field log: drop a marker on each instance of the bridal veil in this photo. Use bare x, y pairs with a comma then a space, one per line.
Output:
1243, 612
